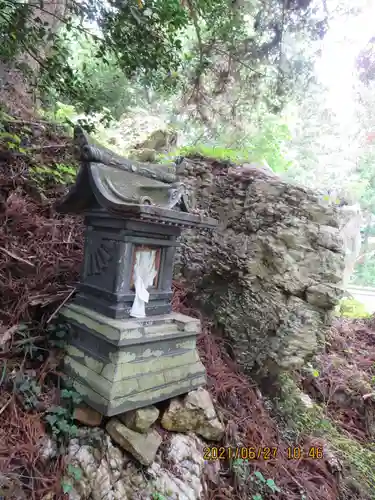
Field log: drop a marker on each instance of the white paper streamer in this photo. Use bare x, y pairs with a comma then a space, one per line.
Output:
144, 274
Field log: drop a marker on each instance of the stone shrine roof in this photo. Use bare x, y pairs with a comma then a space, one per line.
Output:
128, 188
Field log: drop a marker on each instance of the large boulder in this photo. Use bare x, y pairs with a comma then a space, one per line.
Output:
271, 274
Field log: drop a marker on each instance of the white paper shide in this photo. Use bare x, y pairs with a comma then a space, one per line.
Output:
144, 275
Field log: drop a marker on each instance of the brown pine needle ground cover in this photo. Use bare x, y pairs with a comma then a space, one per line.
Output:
40, 251
24, 471
346, 381
40, 258
40, 255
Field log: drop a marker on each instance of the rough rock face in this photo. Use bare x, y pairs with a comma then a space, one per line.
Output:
108, 473
185, 453
159, 140
350, 222
272, 272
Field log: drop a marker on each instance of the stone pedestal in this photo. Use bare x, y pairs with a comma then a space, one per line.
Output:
119, 365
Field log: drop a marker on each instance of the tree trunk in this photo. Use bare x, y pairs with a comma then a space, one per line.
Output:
51, 15
17, 91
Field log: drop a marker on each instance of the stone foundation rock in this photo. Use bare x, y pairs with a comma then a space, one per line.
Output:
140, 420
107, 472
143, 446
194, 413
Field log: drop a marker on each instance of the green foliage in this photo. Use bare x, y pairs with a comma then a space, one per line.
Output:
158, 496
60, 418
366, 172
68, 116
240, 468
263, 486
73, 473
24, 384
164, 45
220, 153
144, 41
62, 113
258, 484
29, 391
364, 272
351, 308
110, 88
57, 334
269, 143
66, 486
11, 141
46, 176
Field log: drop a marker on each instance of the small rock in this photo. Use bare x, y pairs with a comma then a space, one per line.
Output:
140, 420
143, 447
144, 154
194, 413
306, 400
48, 448
334, 464
49, 496
262, 165
87, 416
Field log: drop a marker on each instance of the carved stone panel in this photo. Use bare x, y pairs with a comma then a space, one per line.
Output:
99, 257
99, 267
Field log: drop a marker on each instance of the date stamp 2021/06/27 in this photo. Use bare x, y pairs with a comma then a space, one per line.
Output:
262, 453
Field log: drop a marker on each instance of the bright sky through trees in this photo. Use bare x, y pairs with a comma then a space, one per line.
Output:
346, 36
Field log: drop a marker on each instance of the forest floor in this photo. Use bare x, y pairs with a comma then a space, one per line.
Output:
40, 257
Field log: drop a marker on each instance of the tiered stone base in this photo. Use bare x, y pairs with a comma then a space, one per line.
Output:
121, 365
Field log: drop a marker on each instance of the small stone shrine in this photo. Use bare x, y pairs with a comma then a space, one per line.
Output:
127, 349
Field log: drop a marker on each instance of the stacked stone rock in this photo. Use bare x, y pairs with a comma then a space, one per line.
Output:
110, 472
271, 274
